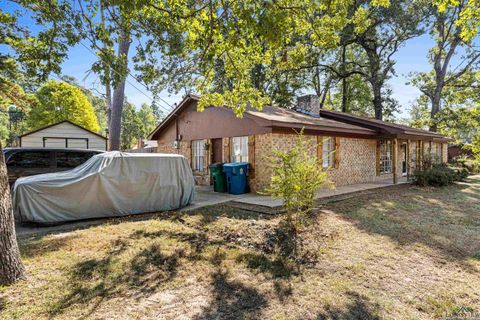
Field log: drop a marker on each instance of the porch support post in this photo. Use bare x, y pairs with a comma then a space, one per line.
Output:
408, 159
394, 160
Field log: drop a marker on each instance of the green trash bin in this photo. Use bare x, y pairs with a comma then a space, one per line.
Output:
218, 177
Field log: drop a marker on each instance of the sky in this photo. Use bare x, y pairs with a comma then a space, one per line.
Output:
411, 57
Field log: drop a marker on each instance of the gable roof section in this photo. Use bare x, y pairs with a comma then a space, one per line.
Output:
328, 121
274, 117
57, 123
383, 127
172, 115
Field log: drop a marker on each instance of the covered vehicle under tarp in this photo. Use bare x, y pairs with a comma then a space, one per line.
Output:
108, 185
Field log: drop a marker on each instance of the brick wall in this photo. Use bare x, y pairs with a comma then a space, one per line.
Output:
357, 162
356, 159
445, 153
264, 146
413, 156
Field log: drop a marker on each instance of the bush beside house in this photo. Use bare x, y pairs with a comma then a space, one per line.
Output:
439, 175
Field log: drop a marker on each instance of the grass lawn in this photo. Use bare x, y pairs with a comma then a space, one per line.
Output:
401, 253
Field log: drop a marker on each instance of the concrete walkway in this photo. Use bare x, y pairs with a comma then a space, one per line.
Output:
205, 195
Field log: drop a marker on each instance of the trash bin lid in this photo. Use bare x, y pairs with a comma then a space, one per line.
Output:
235, 164
216, 165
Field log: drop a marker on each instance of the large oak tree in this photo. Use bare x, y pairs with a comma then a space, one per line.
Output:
11, 267
454, 27
34, 55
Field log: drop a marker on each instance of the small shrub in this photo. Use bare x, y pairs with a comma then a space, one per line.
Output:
297, 176
468, 163
439, 175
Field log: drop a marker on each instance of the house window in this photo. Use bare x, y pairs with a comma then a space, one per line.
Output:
328, 148
385, 156
198, 155
239, 149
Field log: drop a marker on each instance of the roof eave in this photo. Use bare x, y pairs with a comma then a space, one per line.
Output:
316, 127
384, 128
59, 122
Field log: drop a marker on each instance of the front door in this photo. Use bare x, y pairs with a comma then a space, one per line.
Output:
404, 159
216, 150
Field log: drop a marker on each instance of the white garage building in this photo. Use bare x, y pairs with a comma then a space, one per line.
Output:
64, 134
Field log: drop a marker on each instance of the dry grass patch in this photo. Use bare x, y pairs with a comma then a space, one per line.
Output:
403, 253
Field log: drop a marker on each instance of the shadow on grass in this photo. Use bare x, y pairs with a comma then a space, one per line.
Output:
3, 304
208, 214
91, 281
198, 241
232, 300
276, 267
282, 290
212, 213
358, 308
431, 216
38, 245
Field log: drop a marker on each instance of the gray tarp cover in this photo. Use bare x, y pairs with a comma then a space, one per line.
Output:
108, 185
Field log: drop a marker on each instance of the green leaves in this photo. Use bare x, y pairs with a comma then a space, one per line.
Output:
468, 15
297, 176
214, 47
39, 51
131, 126
221, 45
59, 101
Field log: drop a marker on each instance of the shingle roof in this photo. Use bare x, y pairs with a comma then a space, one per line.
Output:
289, 118
328, 120
382, 126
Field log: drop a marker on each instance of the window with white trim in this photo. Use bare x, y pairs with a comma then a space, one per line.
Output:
328, 148
239, 149
198, 155
385, 156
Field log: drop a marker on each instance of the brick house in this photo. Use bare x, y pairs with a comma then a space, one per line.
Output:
353, 149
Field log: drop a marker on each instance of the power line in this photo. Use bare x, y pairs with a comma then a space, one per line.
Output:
138, 81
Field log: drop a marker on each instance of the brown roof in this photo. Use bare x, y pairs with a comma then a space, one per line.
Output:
328, 121
276, 117
56, 123
281, 117
383, 127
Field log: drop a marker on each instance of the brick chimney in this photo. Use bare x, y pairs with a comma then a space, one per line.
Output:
309, 104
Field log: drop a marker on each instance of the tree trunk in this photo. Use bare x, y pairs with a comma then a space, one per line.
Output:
325, 92
435, 109
119, 94
11, 267
377, 101
344, 81
108, 97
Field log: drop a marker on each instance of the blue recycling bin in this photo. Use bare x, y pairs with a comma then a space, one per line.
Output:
237, 177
